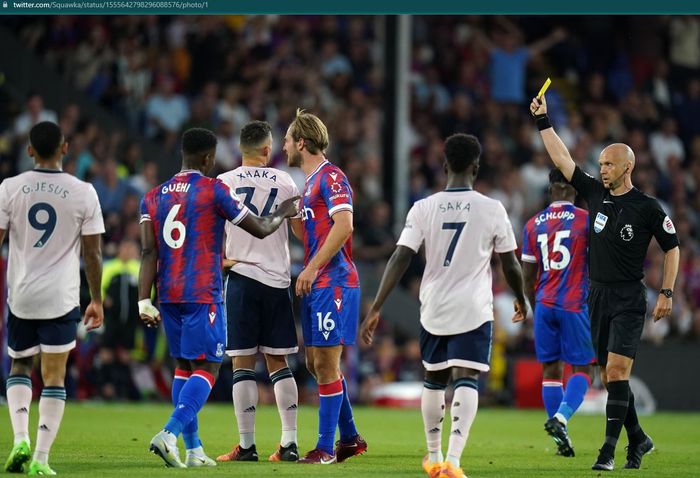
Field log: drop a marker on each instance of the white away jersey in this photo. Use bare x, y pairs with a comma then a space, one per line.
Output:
262, 190
46, 213
461, 229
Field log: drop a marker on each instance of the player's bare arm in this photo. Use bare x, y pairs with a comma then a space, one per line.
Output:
92, 255
514, 276
552, 142
297, 227
147, 275
530, 277
261, 227
339, 233
394, 271
665, 304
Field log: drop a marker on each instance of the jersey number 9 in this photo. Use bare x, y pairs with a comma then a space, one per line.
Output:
47, 226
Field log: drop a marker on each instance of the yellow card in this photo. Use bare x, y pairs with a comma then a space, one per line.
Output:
544, 88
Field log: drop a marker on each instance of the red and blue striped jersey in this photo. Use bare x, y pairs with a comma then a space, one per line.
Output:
556, 239
188, 214
327, 191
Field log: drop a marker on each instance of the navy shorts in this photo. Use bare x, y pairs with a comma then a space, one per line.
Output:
562, 335
329, 316
468, 350
28, 337
195, 331
260, 317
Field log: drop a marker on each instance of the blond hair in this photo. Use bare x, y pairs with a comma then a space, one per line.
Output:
312, 129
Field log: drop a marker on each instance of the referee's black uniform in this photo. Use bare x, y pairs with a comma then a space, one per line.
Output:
620, 229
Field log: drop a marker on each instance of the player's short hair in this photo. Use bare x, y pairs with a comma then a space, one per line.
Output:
557, 177
461, 151
198, 140
254, 134
45, 138
312, 129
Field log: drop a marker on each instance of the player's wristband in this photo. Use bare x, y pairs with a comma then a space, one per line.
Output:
542, 122
147, 308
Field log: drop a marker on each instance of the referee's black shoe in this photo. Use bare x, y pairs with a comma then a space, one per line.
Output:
637, 451
604, 463
557, 431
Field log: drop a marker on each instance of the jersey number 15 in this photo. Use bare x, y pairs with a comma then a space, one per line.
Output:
557, 247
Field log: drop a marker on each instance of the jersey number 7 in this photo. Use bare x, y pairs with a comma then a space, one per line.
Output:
457, 227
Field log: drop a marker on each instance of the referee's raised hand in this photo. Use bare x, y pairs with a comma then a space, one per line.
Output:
663, 308
538, 106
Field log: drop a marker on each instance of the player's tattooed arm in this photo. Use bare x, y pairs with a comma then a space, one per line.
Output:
514, 277
529, 277
92, 255
395, 269
261, 227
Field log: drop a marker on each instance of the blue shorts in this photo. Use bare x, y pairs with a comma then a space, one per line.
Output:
195, 331
562, 335
28, 337
329, 316
468, 350
260, 317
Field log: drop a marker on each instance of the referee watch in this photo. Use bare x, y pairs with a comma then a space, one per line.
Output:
667, 292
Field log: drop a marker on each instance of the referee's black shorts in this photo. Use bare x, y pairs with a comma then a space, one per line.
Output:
617, 313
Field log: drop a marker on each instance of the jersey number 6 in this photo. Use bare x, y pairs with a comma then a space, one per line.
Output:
170, 226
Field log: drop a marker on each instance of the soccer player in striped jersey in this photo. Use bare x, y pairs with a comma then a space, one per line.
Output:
182, 233
258, 299
461, 229
329, 285
555, 266
50, 216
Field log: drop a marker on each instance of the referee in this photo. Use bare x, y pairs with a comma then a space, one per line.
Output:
622, 222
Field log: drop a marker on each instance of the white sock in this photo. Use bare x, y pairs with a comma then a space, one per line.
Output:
245, 402
19, 398
562, 419
432, 407
464, 405
199, 451
287, 398
51, 406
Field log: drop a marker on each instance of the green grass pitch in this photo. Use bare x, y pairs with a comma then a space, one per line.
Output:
99, 440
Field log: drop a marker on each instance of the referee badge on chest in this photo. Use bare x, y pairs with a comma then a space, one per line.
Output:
627, 233
600, 221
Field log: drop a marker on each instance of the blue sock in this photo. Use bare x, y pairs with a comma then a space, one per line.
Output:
330, 400
189, 432
346, 422
576, 389
192, 398
552, 394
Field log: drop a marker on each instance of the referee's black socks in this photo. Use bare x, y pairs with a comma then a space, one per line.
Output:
616, 413
635, 434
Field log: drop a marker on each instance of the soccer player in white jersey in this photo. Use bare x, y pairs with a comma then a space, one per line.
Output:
258, 298
50, 216
461, 229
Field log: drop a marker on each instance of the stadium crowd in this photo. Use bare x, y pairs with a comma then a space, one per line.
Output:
161, 75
